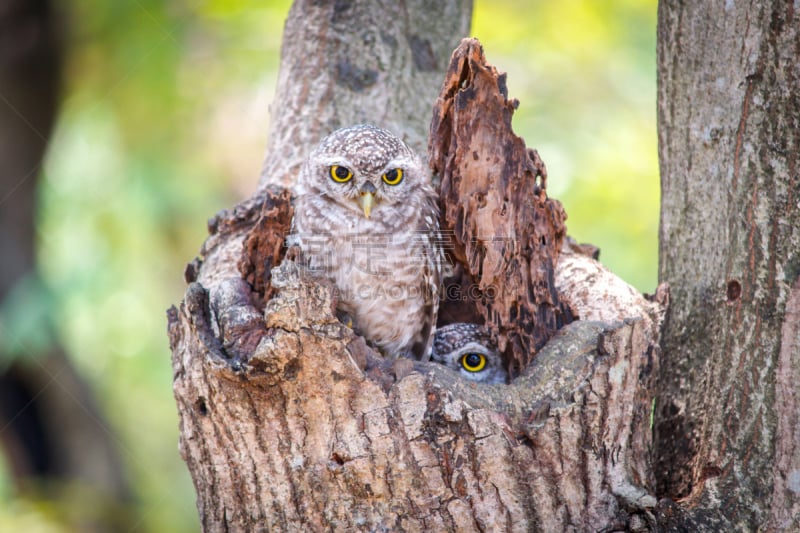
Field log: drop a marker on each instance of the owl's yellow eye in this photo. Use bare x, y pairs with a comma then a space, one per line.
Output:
340, 174
473, 362
394, 176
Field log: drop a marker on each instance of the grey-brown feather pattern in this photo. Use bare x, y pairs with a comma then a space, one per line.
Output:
454, 342
385, 266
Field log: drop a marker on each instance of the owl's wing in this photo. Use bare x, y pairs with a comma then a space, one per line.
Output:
432, 256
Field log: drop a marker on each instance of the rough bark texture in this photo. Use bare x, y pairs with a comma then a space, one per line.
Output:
503, 228
301, 436
785, 507
346, 63
729, 138
290, 422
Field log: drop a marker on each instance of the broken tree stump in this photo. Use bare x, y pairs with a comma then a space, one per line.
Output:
290, 422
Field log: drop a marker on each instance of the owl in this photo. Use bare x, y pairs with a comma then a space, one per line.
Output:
470, 350
367, 218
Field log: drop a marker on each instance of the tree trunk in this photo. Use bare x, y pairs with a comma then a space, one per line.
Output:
290, 422
729, 138
346, 63
30, 68
302, 437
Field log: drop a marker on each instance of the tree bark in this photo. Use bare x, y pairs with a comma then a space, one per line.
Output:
289, 421
313, 432
346, 63
729, 137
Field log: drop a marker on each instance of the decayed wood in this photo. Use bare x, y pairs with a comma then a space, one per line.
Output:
265, 244
504, 229
729, 142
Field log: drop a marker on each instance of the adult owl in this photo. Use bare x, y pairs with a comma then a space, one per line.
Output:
366, 217
470, 350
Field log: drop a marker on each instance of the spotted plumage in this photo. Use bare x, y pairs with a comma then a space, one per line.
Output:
366, 216
470, 350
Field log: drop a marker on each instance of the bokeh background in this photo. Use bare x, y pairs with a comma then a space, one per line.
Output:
162, 122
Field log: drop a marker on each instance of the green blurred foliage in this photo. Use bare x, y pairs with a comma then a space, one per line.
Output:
163, 122
585, 75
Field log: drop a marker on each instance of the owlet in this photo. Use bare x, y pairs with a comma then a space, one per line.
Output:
367, 217
469, 350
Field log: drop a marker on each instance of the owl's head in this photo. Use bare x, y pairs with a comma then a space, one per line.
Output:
364, 169
470, 350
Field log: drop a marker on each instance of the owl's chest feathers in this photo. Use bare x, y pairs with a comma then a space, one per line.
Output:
376, 270
381, 266
369, 258
352, 246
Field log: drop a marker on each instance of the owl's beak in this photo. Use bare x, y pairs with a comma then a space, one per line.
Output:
366, 203
367, 197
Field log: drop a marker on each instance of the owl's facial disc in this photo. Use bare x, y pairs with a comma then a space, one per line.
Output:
366, 197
